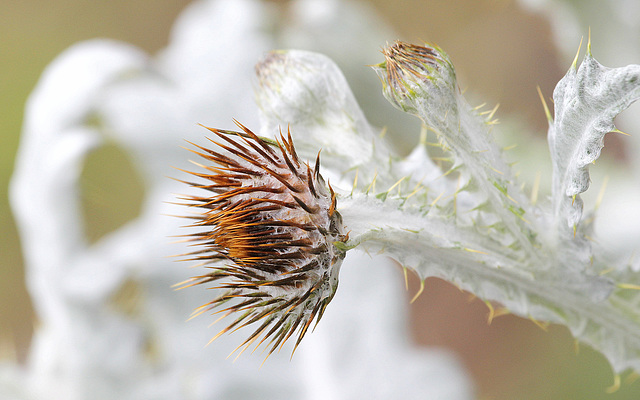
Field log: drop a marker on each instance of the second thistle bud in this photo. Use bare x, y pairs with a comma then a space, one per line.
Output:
420, 80
268, 232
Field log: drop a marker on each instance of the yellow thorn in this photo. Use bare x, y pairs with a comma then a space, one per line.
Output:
474, 251
616, 130
455, 195
355, 182
601, 193
396, 184
544, 105
511, 147
616, 385
490, 116
446, 173
630, 286
419, 292
441, 158
541, 325
500, 312
575, 60
631, 378
416, 190
523, 219
492, 312
576, 346
606, 271
495, 170
372, 185
535, 189
589, 43
433, 203
406, 278
383, 132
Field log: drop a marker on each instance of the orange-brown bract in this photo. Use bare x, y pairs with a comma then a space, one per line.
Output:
414, 74
267, 231
403, 58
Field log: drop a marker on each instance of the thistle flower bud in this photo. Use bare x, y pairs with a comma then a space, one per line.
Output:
419, 80
309, 92
269, 230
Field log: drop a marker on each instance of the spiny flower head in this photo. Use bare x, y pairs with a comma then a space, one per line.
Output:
417, 77
269, 233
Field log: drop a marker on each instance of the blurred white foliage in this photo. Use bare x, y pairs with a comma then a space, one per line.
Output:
85, 344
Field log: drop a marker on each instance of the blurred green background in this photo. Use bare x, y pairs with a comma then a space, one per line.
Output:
501, 53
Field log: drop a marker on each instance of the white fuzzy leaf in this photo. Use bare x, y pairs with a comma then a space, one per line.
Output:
586, 101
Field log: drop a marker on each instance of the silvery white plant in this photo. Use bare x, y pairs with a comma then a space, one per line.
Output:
481, 230
109, 324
